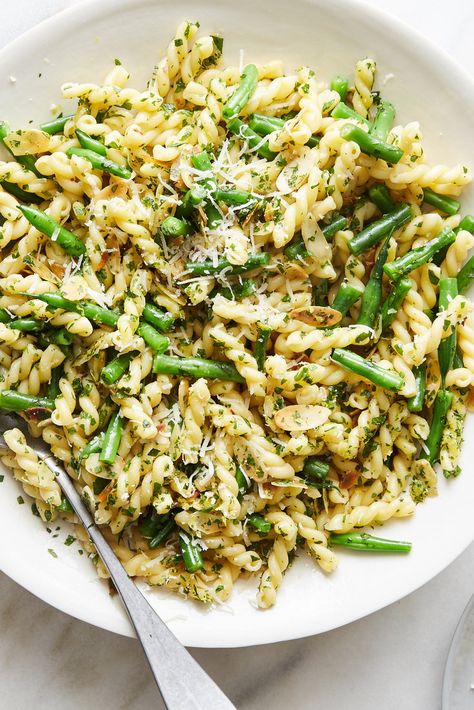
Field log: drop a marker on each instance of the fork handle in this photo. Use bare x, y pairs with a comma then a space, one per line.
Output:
183, 684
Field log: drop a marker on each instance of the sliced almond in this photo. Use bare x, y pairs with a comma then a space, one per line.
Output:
318, 316
301, 417
296, 171
29, 141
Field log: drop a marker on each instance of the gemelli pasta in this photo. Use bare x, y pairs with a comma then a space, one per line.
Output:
233, 304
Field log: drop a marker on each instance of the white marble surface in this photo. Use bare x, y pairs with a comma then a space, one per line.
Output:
394, 658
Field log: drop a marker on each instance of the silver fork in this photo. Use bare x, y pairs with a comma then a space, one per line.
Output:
183, 684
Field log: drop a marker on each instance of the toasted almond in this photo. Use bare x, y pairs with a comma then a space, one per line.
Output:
57, 269
301, 417
318, 316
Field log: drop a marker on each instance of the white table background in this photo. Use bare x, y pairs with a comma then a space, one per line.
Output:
392, 659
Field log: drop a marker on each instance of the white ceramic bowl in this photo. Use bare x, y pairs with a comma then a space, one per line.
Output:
425, 85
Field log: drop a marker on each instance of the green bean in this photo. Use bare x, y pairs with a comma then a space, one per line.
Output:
243, 93
448, 289
173, 227
161, 320
99, 162
417, 257
53, 390
234, 197
383, 120
94, 446
114, 370
432, 444
375, 231
340, 84
196, 367
112, 438
5, 317
345, 298
393, 302
416, 403
388, 379
320, 292
368, 543
89, 310
240, 129
28, 161
52, 229
259, 523
465, 276
157, 342
57, 336
458, 360
192, 199
202, 162
21, 195
264, 125
372, 296
191, 553
370, 144
380, 196
242, 479
14, 401
56, 125
27, 325
344, 111
442, 202
162, 535
209, 268
261, 343
90, 143
236, 292
315, 469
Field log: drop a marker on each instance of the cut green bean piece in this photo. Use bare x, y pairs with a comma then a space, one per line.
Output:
243, 481
383, 120
344, 111
114, 370
14, 401
57, 336
161, 320
90, 143
157, 342
112, 439
20, 194
372, 296
264, 125
260, 349
315, 468
465, 277
191, 553
388, 379
163, 534
236, 292
52, 229
394, 300
448, 290
380, 196
192, 199
56, 125
99, 162
375, 231
259, 523
368, 543
417, 402
202, 162
28, 161
196, 367
255, 142
53, 390
345, 298
417, 257
209, 268
94, 446
341, 85
243, 93
234, 197
173, 227
85, 308
442, 202
371, 145
431, 446
27, 325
